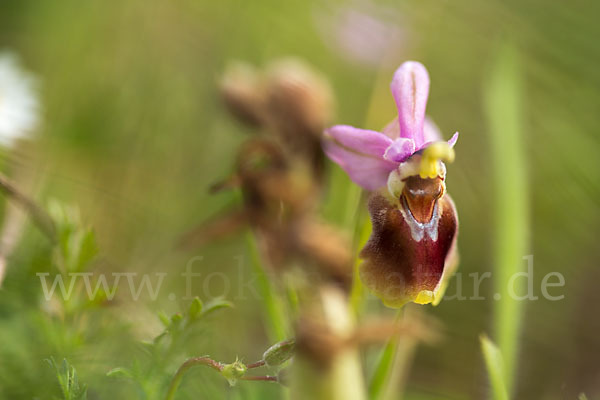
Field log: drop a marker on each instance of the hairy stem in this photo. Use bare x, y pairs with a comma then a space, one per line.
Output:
266, 378
256, 364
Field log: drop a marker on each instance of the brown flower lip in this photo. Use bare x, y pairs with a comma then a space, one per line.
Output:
419, 196
412, 249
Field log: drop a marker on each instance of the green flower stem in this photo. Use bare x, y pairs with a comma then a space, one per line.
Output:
510, 209
384, 366
192, 362
277, 323
390, 371
357, 293
405, 351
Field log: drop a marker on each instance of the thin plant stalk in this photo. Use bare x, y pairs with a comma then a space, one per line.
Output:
403, 357
37, 214
14, 220
510, 208
392, 363
276, 322
192, 362
357, 293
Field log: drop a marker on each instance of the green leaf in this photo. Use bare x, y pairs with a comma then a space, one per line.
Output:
276, 318
68, 380
510, 207
166, 321
195, 308
176, 322
87, 249
495, 368
215, 305
384, 367
76, 244
120, 372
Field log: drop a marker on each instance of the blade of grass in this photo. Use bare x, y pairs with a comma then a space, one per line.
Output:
495, 368
510, 209
276, 321
387, 359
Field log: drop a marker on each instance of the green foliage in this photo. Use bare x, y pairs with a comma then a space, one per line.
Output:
510, 207
383, 370
152, 373
495, 368
134, 133
76, 244
274, 313
68, 380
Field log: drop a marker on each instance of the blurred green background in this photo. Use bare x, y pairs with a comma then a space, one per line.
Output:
134, 133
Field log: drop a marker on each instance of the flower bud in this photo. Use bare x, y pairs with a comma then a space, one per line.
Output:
234, 371
279, 353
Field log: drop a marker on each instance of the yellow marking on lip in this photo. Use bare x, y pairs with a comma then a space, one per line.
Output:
424, 297
435, 152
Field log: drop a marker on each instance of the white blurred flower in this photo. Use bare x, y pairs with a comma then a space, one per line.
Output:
19, 104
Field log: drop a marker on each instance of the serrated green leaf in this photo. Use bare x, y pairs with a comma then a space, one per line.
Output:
68, 380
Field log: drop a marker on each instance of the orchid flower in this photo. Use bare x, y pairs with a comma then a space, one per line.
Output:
412, 251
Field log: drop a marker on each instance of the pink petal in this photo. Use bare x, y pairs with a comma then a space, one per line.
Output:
410, 88
360, 153
453, 139
400, 150
392, 130
431, 132
432, 135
